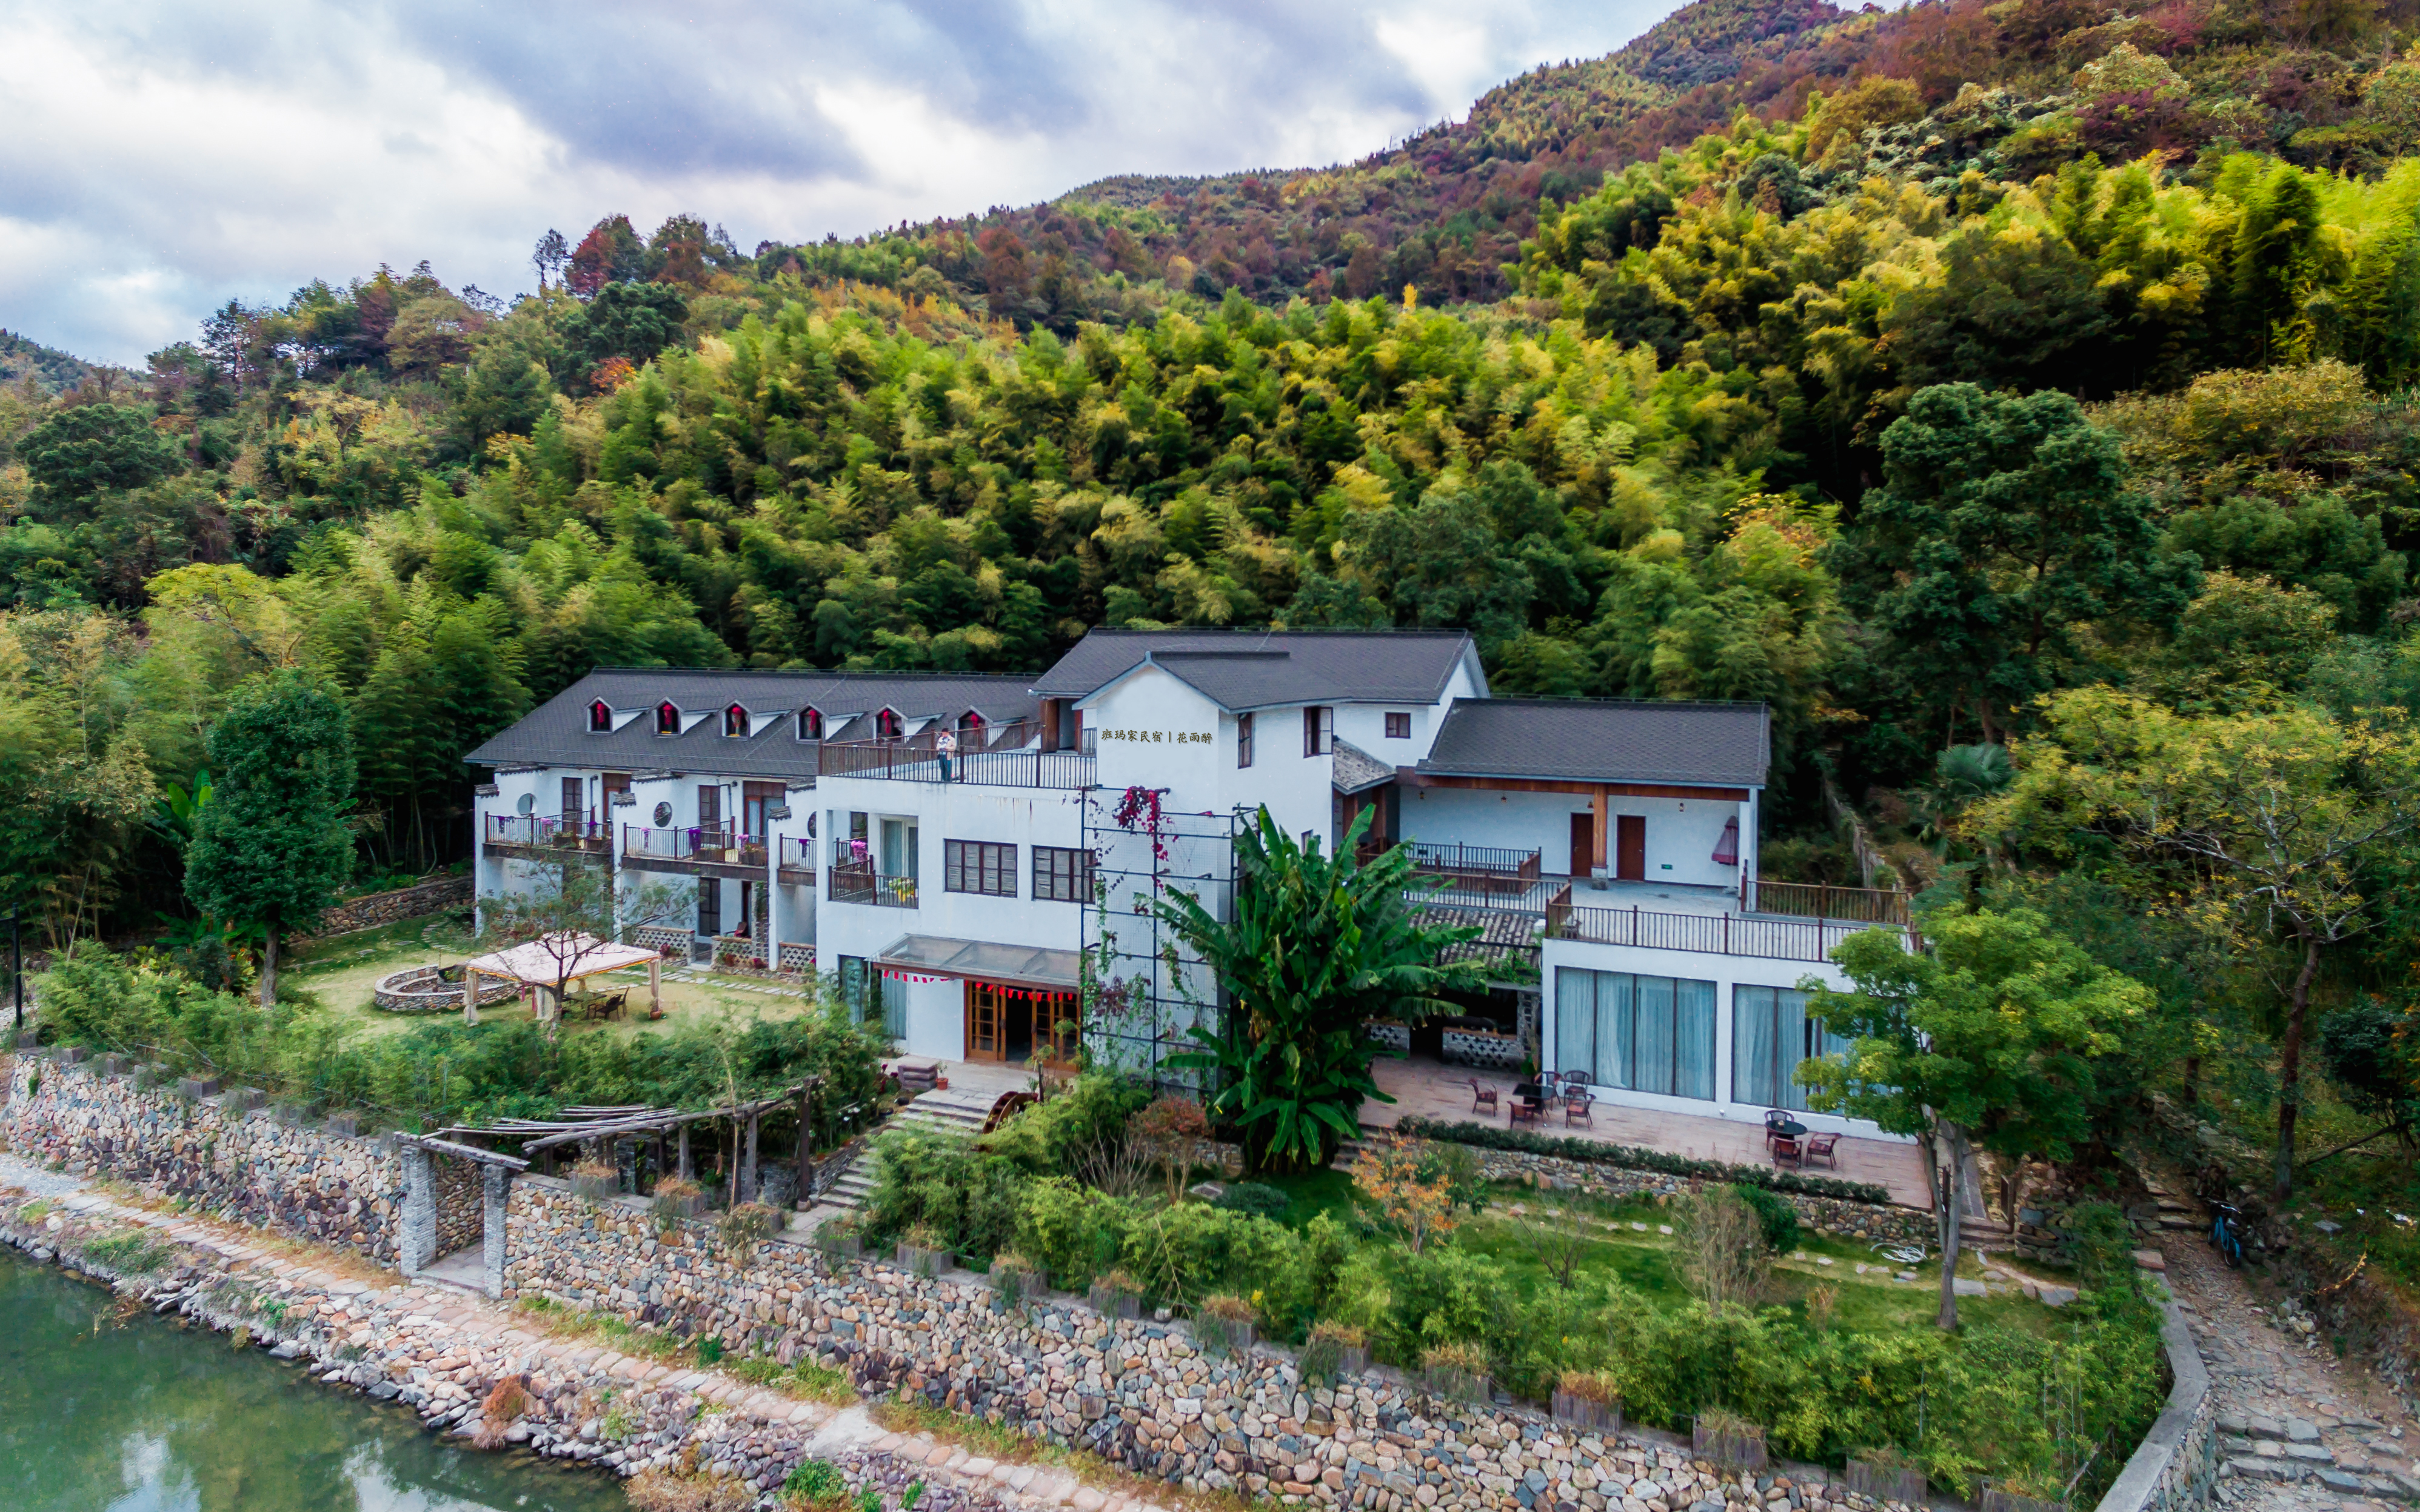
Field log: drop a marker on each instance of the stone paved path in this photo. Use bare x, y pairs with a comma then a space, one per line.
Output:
2301, 1430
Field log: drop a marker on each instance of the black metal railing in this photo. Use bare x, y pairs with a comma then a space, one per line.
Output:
541, 830
1009, 755
798, 856
1809, 900
1726, 934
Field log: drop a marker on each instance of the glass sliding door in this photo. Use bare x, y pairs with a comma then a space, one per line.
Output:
1769, 1035
1644, 1034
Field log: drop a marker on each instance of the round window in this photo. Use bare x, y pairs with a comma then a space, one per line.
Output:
525, 804
811, 826
663, 814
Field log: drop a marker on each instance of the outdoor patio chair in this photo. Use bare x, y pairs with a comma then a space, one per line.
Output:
1786, 1151
1775, 1120
1522, 1110
1572, 1082
1482, 1097
1819, 1146
1575, 1109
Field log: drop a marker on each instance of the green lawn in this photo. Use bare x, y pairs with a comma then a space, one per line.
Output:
342, 972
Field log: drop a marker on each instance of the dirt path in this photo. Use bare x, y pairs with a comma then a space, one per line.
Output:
2300, 1428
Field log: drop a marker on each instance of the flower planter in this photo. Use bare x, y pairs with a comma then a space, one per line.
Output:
679, 1205
1111, 1302
1222, 1336
597, 1188
1889, 1483
347, 1125
195, 1088
1586, 1412
1455, 1385
1996, 1499
1742, 1450
1010, 1289
842, 1246
924, 1262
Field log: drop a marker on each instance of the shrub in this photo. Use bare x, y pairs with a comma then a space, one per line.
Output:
662, 1491
1776, 1218
814, 1481
1254, 1197
944, 1182
1072, 1232
1720, 1250
1057, 1137
1168, 1130
747, 1225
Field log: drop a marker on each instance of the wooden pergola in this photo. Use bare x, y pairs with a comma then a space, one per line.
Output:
555, 961
604, 1126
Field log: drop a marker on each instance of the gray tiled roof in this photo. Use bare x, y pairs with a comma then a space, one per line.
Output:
557, 732
1356, 768
1724, 744
1258, 669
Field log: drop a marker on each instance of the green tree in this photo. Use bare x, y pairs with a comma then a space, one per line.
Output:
271, 847
94, 449
2003, 524
2264, 821
1994, 1036
1318, 945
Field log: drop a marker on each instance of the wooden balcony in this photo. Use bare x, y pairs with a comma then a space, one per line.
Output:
537, 838
695, 852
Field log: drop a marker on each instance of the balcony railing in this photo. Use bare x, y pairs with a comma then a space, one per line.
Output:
1725, 934
539, 831
1010, 755
722, 846
1807, 900
853, 885
797, 858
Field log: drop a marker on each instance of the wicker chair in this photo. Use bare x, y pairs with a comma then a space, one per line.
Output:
1786, 1151
1819, 1146
1482, 1097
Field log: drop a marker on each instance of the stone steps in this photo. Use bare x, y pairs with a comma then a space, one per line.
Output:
955, 1111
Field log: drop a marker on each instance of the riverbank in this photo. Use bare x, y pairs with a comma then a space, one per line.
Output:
443, 1355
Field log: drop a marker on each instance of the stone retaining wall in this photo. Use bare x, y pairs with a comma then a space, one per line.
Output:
246, 1165
1141, 1394
444, 895
2177, 1463
1857, 1221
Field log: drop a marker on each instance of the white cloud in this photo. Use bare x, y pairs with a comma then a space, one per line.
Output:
164, 158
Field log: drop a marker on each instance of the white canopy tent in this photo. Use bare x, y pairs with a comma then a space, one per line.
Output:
551, 961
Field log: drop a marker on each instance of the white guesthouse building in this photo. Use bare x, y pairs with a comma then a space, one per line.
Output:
959, 851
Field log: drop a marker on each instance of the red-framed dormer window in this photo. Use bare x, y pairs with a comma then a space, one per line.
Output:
600, 717
887, 725
735, 721
668, 718
811, 724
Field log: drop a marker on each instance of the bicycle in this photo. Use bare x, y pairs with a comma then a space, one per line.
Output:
2224, 1236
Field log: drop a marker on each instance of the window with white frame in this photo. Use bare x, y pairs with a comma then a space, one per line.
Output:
667, 719
735, 721
811, 724
600, 717
1318, 729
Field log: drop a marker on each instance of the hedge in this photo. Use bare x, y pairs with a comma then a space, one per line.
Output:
1632, 1157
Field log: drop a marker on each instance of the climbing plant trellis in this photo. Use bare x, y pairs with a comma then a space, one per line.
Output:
1143, 988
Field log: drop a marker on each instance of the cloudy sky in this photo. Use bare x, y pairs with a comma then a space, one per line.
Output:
162, 158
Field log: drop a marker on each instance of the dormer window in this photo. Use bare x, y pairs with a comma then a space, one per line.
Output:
971, 723
668, 718
811, 724
601, 718
735, 721
887, 725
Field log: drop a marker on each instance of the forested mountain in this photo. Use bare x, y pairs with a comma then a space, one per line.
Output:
1764, 359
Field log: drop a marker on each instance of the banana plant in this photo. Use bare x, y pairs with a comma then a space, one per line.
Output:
176, 815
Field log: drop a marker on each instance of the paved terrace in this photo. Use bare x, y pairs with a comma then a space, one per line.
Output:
1432, 1091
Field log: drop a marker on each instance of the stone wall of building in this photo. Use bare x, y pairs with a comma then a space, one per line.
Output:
442, 896
246, 1165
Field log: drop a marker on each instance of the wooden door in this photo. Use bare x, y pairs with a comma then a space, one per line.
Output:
1053, 1044
1630, 836
1582, 845
755, 799
575, 802
709, 906
987, 1023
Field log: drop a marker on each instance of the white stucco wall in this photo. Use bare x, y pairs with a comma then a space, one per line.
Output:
1725, 972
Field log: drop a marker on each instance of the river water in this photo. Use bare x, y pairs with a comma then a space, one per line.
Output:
137, 1414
